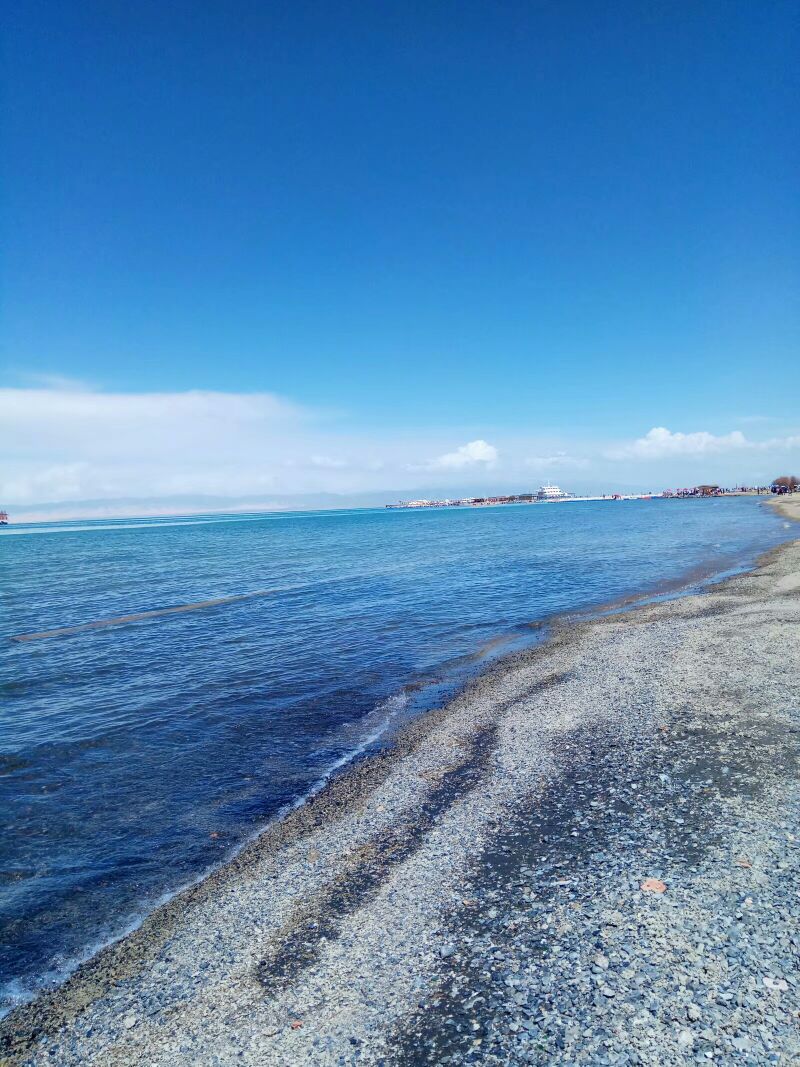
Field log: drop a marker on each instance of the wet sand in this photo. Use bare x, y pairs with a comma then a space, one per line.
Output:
475, 893
788, 506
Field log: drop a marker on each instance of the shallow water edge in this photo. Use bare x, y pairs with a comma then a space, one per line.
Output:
345, 793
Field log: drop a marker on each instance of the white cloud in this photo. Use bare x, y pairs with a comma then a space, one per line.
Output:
660, 443
77, 405
55, 381
558, 459
53, 482
473, 454
328, 463
785, 443
60, 444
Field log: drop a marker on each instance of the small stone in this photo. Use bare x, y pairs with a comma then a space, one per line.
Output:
685, 1039
693, 1013
653, 885
129, 1022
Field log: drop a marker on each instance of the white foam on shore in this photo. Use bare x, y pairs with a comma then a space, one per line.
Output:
16, 991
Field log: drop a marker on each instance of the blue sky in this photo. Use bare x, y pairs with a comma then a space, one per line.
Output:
548, 226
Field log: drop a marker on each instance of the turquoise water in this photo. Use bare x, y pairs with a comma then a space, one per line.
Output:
134, 757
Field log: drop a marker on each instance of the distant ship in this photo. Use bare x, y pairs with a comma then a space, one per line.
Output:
3, 518
550, 492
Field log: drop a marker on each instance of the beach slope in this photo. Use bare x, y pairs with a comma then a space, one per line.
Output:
591, 855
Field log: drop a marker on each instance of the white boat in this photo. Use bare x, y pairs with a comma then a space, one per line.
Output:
550, 492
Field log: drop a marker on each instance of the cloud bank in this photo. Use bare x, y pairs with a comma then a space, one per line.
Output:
70, 444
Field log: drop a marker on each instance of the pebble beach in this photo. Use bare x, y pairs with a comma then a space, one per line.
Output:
590, 855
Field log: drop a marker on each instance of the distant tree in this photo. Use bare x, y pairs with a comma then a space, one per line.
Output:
788, 481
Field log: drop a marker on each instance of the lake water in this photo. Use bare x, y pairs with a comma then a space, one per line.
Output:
134, 757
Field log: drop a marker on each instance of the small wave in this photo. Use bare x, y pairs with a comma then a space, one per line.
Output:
378, 723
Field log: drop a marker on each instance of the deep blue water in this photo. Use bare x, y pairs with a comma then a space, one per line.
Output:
123, 749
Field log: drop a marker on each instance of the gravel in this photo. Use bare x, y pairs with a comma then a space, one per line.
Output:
481, 892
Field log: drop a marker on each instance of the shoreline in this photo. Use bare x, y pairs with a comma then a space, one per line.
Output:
238, 945
788, 505
512, 501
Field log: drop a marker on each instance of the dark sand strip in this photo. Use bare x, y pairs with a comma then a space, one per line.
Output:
122, 620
